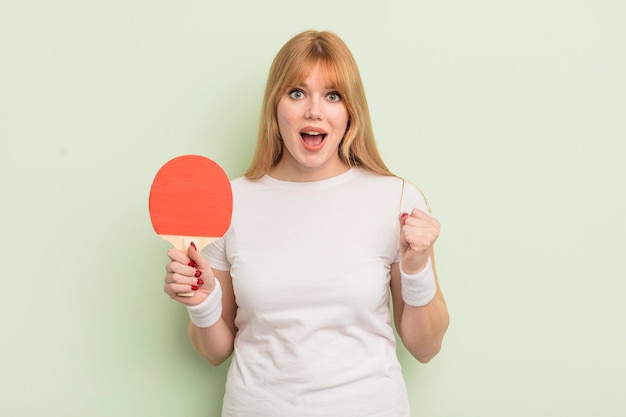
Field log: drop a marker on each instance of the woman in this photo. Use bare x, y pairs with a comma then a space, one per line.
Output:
322, 235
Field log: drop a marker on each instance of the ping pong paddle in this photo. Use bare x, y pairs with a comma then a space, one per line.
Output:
190, 201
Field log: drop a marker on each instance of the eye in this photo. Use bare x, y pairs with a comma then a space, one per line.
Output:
296, 94
334, 96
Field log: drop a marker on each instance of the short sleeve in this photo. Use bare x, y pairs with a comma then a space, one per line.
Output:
215, 253
412, 198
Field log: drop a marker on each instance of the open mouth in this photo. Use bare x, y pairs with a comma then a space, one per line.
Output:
312, 140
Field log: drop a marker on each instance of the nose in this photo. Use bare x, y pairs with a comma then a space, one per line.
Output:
313, 110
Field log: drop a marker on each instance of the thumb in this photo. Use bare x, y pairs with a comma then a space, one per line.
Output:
403, 218
196, 256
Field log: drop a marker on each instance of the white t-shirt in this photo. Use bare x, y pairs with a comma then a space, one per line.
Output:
310, 264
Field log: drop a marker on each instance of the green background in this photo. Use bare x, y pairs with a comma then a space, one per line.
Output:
509, 115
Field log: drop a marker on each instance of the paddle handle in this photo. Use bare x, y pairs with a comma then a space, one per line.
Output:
182, 243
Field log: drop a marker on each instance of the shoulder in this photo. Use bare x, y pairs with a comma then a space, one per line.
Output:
413, 197
374, 179
244, 184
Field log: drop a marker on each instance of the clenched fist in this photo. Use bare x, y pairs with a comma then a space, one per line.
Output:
418, 234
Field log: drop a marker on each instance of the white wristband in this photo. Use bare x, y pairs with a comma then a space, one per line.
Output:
208, 312
419, 289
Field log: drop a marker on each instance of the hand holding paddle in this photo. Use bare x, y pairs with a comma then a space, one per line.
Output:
185, 271
190, 201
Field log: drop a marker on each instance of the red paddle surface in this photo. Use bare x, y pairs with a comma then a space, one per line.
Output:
191, 196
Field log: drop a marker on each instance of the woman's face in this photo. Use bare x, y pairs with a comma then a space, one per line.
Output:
312, 120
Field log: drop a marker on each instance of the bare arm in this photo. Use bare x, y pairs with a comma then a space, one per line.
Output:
215, 343
193, 272
421, 329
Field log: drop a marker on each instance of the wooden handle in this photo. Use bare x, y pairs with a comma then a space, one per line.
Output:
182, 242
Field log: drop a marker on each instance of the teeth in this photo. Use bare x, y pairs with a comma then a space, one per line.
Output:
312, 133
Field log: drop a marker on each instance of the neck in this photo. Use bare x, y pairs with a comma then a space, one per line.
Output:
286, 172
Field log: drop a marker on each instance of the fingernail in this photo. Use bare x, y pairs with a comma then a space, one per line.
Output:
198, 273
200, 282
404, 215
194, 246
194, 288
192, 264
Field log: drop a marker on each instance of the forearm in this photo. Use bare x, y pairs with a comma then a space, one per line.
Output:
212, 323
422, 328
214, 343
422, 323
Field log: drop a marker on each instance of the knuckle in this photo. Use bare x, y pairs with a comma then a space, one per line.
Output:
167, 291
178, 279
172, 267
